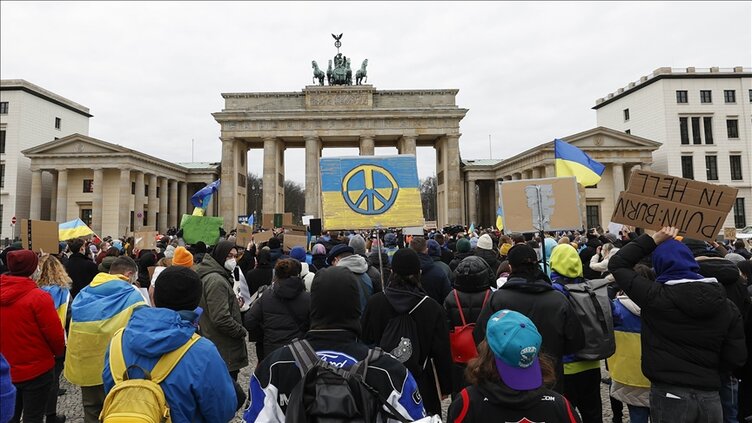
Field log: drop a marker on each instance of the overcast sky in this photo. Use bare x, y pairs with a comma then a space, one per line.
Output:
152, 73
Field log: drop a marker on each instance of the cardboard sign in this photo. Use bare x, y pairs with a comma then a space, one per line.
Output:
39, 235
560, 205
145, 240
261, 237
295, 241
244, 235
654, 200
201, 228
729, 233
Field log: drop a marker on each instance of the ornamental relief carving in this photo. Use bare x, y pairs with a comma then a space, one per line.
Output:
338, 99
341, 124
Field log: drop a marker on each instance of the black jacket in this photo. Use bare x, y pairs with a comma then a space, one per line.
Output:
585, 256
261, 275
727, 274
690, 330
548, 309
319, 262
493, 403
490, 256
81, 271
280, 315
434, 279
458, 257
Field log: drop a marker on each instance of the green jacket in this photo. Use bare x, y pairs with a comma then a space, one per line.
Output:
221, 322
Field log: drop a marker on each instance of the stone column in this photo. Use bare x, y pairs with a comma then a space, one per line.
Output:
472, 207
183, 201
529, 174
124, 206
367, 145
35, 211
550, 170
97, 202
62, 195
228, 187
407, 144
151, 221
270, 175
452, 175
174, 212
163, 196
618, 171
312, 182
53, 197
138, 205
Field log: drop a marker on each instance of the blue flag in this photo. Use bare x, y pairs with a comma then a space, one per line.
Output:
250, 219
202, 197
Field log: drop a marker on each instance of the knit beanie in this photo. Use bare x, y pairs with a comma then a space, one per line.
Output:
463, 245
182, 257
504, 250
221, 250
358, 244
406, 262
7, 391
485, 242
319, 249
22, 262
434, 249
298, 253
177, 288
390, 239
335, 300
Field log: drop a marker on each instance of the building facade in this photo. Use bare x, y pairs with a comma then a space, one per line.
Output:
113, 189
30, 116
702, 118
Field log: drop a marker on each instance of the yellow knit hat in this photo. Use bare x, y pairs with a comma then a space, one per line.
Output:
182, 257
504, 250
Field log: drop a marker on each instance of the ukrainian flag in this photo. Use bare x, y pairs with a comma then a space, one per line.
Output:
571, 161
73, 229
499, 218
370, 192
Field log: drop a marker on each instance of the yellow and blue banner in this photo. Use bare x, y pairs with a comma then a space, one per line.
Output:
73, 229
571, 161
370, 192
500, 218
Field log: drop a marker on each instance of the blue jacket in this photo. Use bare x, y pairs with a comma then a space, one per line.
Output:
199, 388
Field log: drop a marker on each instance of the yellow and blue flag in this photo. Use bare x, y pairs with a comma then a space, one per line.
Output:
202, 197
370, 192
73, 229
571, 161
499, 218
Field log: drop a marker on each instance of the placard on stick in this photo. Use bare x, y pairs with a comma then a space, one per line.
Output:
244, 235
654, 200
260, 237
729, 233
295, 241
39, 235
561, 205
145, 240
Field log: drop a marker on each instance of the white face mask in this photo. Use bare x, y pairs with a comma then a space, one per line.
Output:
230, 264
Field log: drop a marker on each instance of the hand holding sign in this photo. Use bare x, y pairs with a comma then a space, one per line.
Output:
668, 232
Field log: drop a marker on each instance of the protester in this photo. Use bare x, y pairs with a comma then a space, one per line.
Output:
262, 274
112, 254
7, 392
318, 257
298, 253
690, 331
358, 245
586, 255
282, 313
433, 279
80, 269
485, 250
599, 261
221, 322
146, 260
510, 376
199, 387
334, 334
463, 250
344, 256
380, 263
434, 251
740, 249
32, 335
100, 309
275, 250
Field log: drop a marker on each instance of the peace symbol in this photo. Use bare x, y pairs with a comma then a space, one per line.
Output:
369, 189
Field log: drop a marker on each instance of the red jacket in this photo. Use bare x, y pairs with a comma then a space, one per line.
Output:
31, 334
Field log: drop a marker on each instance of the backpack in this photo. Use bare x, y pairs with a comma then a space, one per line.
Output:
593, 308
328, 393
139, 400
461, 341
400, 339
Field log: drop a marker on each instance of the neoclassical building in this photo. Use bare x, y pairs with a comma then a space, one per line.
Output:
115, 190
620, 152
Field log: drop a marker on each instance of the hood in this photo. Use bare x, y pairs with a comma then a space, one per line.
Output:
403, 299
486, 254
566, 262
14, 287
498, 393
426, 262
208, 266
725, 271
699, 298
304, 270
629, 304
533, 286
288, 288
152, 332
373, 259
355, 263
673, 261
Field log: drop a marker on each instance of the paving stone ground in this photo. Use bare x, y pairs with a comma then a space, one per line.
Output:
70, 403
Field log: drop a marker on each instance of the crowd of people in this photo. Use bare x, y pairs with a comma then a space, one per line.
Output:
383, 326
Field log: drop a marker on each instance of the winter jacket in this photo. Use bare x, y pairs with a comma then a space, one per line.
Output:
743, 252
551, 312
199, 388
727, 274
276, 376
492, 403
280, 315
319, 261
490, 256
458, 257
30, 331
445, 267
307, 276
276, 254
261, 275
383, 267
585, 256
221, 322
433, 279
430, 319
359, 266
690, 330
81, 271
602, 265
628, 385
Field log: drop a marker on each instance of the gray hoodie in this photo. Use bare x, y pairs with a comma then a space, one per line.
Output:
355, 263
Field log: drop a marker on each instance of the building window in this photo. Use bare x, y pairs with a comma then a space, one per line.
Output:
684, 130
740, 217
146, 190
133, 189
57, 123
736, 167
592, 186
3, 107
688, 168
711, 168
696, 134
2, 176
750, 96
88, 185
681, 96
593, 214
706, 96
626, 115
729, 96
707, 126
628, 131
86, 216
130, 223
732, 128
241, 180
158, 192
2, 142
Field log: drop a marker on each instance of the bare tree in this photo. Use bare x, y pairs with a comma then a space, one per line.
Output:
428, 189
295, 200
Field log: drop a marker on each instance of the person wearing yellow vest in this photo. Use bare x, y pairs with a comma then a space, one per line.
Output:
97, 312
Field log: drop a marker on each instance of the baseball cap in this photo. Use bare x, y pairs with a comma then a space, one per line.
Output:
515, 343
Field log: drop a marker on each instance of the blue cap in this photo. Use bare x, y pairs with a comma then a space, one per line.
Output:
298, 253
337, 250
515, 343
434, 249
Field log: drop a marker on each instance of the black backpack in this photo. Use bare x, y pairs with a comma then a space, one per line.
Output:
329, 394
593, 308
400, 339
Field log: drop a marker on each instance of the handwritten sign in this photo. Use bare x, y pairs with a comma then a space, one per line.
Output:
145, 240
654, 200
729, 233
